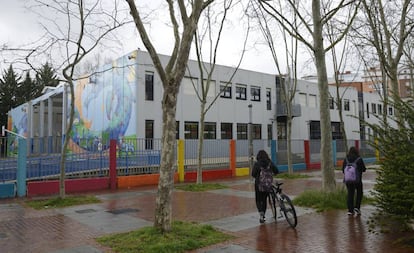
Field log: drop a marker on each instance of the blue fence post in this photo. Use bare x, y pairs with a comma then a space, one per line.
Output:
21, 168
273, 151
334, 152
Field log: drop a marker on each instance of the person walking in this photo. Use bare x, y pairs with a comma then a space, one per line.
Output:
262, 168
354, 204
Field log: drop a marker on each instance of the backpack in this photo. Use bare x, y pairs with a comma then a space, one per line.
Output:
265, 179
351, 174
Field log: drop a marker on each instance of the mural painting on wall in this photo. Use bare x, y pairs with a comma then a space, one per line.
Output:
104, 107
17, 123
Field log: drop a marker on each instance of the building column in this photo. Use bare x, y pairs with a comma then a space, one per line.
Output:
30, 127
64, 113
42, 126
49, 125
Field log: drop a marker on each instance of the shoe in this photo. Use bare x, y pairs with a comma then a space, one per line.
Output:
350, 213
357, 211
262, 219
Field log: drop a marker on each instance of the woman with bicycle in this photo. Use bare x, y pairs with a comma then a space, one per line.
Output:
262, 167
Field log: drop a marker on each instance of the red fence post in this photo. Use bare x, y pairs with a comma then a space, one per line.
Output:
112, 164
356, 145
233, 157
307, 153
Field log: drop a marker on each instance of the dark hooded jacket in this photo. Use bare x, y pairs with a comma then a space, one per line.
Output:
360, 164
262, 163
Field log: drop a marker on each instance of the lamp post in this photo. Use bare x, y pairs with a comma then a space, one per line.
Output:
250, 138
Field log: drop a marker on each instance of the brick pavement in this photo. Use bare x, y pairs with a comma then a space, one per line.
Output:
232, 210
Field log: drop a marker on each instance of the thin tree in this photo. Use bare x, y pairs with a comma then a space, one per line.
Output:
206, 68
390, 25
78, 28
287, 85
311, 34
171, 76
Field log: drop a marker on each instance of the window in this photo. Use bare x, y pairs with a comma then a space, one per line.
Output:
367, 110
331, 103
390, 111
242, 131
336, 130
268, 99
149, 86
379, 109
226, 131
209, 130
374, 108
346, 104
256, 131
312, 101
225, 90
177, 130
315, 130
302, 99
269, 132
255, 93
149, 133
281, 130
191, 130
241, 92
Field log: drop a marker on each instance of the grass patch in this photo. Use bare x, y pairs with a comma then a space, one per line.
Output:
323, 201
58, 202
292, 176
200, 187
183, 236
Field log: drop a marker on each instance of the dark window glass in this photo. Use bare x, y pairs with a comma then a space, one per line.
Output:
149, 86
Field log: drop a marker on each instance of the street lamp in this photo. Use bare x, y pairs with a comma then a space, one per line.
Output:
250, 138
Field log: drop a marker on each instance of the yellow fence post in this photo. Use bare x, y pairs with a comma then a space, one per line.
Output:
180, 160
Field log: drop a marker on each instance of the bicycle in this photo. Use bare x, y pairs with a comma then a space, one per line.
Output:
285, 204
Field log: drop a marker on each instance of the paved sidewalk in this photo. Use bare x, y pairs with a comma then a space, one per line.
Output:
232, 210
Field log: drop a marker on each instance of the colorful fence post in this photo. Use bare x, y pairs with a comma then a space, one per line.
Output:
180, 160
233, 157
21, 168
112, 164
307, 153
356, 145
273, 151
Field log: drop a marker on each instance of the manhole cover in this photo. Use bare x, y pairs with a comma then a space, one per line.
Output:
124, 210
86, 211
3, 235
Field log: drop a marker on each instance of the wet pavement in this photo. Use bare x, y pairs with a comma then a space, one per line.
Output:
231, 210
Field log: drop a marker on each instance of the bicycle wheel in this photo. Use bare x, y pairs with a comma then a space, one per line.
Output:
288, 210
272, 203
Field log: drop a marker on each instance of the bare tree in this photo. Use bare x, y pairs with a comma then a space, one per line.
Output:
171, 76
288, 80
76, 30
206, 34
390, 25
311, 34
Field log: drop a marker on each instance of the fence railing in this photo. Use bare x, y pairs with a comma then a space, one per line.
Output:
143, 156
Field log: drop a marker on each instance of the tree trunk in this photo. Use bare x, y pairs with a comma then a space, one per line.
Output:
328, 175
163, 210
200, 143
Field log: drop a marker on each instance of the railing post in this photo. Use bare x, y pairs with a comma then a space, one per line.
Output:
233, 157
273, 151
180, 160
112, 164
356, 145
21, 168
307, 153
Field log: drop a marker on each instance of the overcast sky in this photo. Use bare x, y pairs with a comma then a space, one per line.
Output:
18, 25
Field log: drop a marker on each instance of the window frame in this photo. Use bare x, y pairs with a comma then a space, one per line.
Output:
149, 86
241, 92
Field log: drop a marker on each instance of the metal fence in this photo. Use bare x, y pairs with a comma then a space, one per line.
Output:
143, 156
